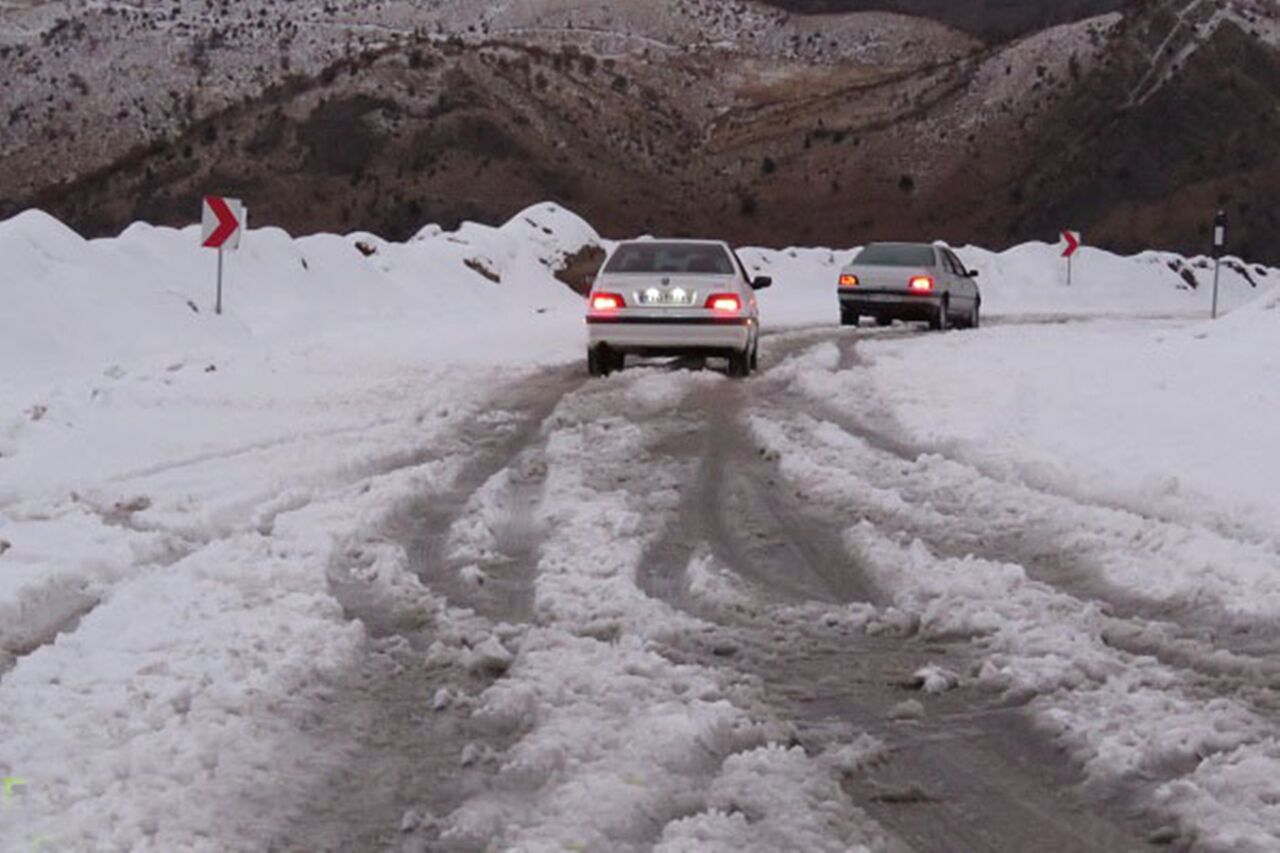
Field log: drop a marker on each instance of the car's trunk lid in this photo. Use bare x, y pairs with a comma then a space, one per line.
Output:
665, 292
888, 278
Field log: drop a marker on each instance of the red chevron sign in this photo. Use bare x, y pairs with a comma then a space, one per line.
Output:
1074, 241
223, 220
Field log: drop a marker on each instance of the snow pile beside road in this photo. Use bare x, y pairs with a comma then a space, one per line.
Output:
75, 304
1171, 418
1032, 279
1026, 280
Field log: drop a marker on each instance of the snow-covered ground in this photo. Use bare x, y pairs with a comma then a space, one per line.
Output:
1117, 607
1165, 418
178, 490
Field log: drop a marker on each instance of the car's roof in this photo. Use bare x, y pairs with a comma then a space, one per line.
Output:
646, 241
905, 244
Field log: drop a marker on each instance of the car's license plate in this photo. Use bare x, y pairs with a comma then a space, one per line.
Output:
667, 298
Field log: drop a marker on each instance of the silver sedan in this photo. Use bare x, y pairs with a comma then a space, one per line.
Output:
910, 282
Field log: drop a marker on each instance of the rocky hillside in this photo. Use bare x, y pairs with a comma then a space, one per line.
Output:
672, 116
995, 21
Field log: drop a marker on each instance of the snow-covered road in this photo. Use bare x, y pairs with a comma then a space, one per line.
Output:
710, 615
370, 564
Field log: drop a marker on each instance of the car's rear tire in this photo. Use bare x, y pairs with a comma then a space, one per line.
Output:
848, 319
740, 364
884, 322
975, 317
941, 322
601, 361
755, 357
596, 363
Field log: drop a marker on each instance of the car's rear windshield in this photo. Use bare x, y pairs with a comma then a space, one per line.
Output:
687, 258
896, 255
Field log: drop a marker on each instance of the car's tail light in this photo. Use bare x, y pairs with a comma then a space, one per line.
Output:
725, 303
849, 281
606, 302
922, 284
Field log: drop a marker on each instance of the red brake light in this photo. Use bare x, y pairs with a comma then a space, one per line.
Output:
606, 302
727, 303
922, 283
849, 281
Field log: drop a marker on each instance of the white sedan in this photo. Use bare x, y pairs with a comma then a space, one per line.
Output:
674, 298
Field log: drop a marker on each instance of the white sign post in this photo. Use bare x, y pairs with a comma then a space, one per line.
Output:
223, 220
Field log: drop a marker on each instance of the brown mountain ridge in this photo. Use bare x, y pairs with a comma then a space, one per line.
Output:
1134, 128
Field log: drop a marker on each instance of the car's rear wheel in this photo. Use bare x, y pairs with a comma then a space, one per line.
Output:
596, 362
975, 316
601, 361
849, 319
740, 364
884, 322
941, 321
755, 357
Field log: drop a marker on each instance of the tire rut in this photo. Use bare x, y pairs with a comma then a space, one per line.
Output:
1223, 653
970, 775
405, 749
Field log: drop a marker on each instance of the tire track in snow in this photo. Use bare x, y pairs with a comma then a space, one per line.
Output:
510, 444
655, 739
975, 511
972, 776
411, 750
1180, 673
56, 607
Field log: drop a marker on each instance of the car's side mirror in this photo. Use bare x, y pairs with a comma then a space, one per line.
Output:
588, 283
972, 274
763, 282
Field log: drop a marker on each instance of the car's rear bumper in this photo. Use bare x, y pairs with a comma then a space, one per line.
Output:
893, 304
662, 335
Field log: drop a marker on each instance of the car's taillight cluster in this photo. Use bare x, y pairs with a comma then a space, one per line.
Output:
922, 284
721, 303
724, 303
847, 280
604, 302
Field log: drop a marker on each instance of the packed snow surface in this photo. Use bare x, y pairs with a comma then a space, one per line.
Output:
176, 489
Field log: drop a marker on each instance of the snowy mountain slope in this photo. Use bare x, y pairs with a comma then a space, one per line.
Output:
709, 118
1177, 108
989, 20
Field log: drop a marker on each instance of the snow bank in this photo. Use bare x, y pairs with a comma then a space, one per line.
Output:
76, 306
1026, 281
72, 304
1173, 418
